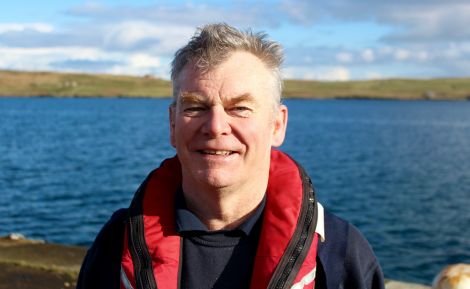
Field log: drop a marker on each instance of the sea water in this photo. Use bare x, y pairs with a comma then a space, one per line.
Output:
398, 170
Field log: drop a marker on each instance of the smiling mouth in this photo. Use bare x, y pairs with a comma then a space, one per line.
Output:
216, 152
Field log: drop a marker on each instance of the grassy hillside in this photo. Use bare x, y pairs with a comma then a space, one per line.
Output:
14, 83
451, 88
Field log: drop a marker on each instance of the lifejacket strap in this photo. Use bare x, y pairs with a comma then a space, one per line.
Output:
302, 239
142, 261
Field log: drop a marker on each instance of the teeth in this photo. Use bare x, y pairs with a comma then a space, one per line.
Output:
220, 153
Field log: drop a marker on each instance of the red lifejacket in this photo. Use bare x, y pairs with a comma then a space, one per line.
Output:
287, 249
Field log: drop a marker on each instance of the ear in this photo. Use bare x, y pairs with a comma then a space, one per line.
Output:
171, 116
280, 125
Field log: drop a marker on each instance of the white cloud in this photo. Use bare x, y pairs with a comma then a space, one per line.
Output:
132, 47
337, 73
385, 50
344, 57
430, 22
422, 55
142, 34
127, 34
373, 75
328, 73
117, 39
430, 36
28, 59
368, 55
126, 69
409, 21
76, 59
452, 52
187, 14
144, 60
18, 27
401, 54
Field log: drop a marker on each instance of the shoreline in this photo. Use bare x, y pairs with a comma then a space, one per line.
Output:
33, 264
283, 98
63, 84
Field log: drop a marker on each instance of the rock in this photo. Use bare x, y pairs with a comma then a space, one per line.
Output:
429, 94
456, 276
20, 238
15, 237
391, 284
26, 264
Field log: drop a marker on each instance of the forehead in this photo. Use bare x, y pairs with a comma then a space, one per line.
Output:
241, 73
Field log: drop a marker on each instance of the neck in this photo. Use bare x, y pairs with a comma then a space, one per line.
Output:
223, 208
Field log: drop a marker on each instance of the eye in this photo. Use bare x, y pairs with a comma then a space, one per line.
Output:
241, 111
193, 110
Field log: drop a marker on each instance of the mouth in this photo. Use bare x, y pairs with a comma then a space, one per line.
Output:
216, 152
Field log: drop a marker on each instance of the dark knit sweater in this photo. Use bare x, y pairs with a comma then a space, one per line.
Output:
217, 259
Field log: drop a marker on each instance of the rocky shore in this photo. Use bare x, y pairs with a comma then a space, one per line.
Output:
29, 264
26, 264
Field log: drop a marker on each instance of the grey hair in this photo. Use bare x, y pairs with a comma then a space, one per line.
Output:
213, 43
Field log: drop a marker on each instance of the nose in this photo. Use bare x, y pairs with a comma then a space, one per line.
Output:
217, 122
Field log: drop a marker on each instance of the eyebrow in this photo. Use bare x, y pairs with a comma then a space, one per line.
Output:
192, 97
246, 97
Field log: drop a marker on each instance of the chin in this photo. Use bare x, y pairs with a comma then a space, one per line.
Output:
216, 179
219, 183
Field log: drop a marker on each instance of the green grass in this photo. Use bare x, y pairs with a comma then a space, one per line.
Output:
440, 88
15, 83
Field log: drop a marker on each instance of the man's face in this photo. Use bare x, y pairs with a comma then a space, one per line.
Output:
224, 123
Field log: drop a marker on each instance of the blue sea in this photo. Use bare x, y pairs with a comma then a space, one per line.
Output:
398, 170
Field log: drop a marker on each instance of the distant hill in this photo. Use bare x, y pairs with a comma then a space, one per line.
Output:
15, 83
438, 89
19, 84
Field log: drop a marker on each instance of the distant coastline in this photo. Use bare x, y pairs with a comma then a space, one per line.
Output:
54, 84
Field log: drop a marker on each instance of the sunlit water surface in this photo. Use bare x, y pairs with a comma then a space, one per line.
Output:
400, 171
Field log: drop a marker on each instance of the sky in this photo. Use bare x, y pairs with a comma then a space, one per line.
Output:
322, 40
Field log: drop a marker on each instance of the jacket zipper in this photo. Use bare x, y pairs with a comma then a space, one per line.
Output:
299, 246
143, 275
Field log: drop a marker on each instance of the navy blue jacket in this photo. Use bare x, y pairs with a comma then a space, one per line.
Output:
345, 259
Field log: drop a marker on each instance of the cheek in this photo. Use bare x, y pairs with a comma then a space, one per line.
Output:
257, 133
183, 130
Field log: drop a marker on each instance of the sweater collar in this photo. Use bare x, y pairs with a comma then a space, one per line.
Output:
187, 221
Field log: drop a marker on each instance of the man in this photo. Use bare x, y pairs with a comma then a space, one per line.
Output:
228, 211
